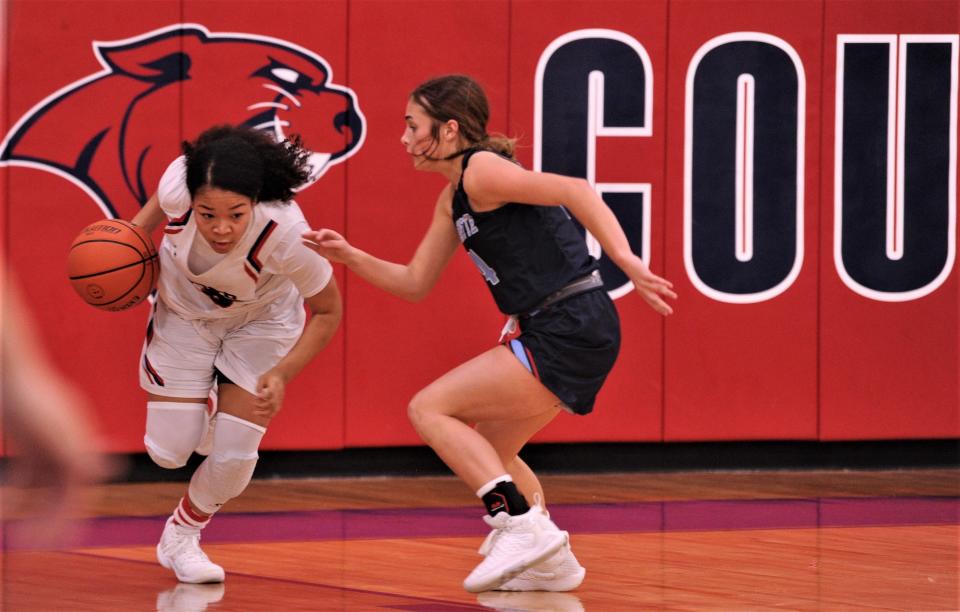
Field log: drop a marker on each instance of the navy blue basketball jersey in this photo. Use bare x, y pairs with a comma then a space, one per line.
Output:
525, 252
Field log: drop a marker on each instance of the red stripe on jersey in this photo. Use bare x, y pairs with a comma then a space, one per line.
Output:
254, 255
153, 314
175, 226
152, 373
250, 273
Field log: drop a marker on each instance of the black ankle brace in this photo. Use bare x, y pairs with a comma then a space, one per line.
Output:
505, 497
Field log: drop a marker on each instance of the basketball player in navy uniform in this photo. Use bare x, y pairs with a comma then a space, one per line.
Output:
515, 226
234, 276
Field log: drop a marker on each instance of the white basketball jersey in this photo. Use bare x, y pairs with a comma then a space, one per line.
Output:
250, 275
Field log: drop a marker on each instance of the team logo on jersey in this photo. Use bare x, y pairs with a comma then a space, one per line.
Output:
112, 133
220, 298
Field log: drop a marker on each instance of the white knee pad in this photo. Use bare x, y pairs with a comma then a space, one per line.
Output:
174, 429
226, 472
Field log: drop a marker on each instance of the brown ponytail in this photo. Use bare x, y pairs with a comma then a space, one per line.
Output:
498, 143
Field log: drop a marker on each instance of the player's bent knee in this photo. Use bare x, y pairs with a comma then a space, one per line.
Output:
428, 410
173, 431
413, 412
170, 460
419, 413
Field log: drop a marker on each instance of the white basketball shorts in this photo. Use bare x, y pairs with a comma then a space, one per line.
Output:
179, 356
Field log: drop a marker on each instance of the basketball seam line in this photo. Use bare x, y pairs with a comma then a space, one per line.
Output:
136, 263
124, 295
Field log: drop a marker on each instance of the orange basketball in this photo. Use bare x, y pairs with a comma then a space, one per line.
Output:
113, 264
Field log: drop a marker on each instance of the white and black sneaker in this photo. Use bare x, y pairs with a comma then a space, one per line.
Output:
515, 544
561, 572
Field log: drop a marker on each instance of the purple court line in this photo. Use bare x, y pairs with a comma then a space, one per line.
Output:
700, 515
436, 605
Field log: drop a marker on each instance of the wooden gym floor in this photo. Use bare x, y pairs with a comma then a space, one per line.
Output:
825, 540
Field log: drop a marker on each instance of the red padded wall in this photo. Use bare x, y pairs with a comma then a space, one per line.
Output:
888, 369
816, 361
394, 348
741, 370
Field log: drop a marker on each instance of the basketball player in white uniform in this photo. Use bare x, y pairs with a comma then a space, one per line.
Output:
234, 276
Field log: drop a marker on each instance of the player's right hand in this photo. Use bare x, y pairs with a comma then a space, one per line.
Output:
329, 244
271, 388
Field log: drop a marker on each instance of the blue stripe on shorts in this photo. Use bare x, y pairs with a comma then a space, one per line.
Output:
517, 347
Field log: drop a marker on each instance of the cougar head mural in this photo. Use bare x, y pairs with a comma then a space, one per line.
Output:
113, 132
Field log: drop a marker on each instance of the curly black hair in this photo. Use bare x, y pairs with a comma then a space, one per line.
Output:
246, 161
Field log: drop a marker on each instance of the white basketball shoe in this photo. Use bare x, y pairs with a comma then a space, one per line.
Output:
561, 572
515, 544
179, 550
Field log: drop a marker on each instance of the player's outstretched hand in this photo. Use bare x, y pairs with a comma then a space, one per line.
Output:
329, 244
270, 391
652, 288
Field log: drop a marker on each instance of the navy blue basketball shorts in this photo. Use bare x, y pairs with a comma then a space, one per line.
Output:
571, 347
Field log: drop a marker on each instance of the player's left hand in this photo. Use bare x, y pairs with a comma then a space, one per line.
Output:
652, 288
270, 391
